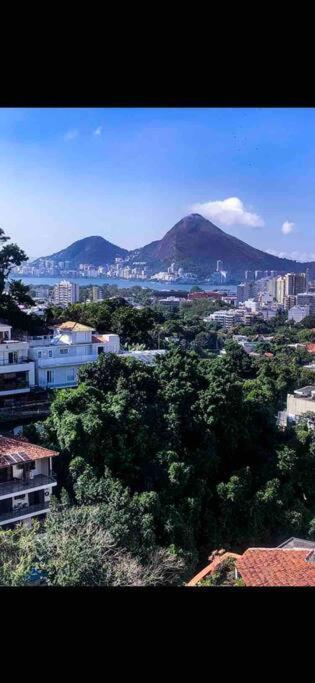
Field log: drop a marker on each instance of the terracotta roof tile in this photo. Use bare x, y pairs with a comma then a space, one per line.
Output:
310, 347
17, 450
74, 326
211, 568
276, 567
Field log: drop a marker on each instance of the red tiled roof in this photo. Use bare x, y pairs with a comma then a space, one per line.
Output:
73, 326
310, 347
17, 450
211, 568
276, 567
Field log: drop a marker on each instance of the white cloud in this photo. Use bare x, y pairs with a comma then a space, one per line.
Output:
71, 134
287, 228
230, 211
98, 130
294, 255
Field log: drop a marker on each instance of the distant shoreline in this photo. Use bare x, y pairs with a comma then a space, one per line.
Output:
124, 284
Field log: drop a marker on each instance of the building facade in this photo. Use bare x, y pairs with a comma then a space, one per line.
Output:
301, 402
26, 481
66, 293
298, 313
17, 372
58, 358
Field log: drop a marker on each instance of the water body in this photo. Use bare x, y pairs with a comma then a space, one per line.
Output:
121, 283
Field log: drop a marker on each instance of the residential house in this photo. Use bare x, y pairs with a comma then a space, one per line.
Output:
301, 402
290, 564
17, 374
58, 358
26, 481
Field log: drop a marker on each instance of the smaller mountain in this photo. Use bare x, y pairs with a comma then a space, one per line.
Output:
95, 250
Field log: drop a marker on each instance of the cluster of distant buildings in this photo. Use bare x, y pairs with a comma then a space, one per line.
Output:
124, 268
121, 268
292, 292
264, 297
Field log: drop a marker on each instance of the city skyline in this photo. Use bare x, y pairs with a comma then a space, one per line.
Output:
130, 174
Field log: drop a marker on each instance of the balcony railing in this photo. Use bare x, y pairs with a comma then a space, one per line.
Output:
8, 488
18, 361
67, 359
30, 511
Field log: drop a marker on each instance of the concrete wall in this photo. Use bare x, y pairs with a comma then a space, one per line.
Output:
299, 406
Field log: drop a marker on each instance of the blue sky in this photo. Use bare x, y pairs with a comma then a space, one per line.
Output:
131, 174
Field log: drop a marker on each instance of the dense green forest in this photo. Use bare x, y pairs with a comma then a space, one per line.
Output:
180, 458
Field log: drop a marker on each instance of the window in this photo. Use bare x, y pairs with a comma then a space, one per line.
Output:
89, 350
50, 354
70, 375
13, 357
63, 352
10, 381
19, 497
39, 354
50, 376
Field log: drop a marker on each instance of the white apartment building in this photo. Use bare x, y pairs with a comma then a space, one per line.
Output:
229, 318
58, 358
17, 372
26, 481
252, 305
298, 313
66, 293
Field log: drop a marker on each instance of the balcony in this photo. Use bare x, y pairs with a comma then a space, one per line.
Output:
18, 361
8, 489
68, 359
23, 512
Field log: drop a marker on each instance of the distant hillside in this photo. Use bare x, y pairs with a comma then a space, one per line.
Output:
94, 250
196, 244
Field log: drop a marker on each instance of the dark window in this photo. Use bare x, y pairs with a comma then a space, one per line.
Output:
9, 381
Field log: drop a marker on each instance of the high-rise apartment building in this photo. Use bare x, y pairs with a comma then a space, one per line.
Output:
295, 283
289, 301
66, 293
272, 286
280, 289
244, 291
97, 293
219, 265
